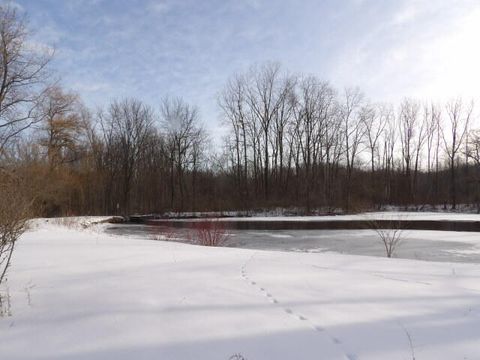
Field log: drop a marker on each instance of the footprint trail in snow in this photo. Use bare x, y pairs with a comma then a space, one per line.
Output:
290, 312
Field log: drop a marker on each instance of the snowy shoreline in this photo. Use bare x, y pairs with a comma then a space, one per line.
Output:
383, 215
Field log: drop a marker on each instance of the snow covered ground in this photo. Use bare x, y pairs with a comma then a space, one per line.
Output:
379, 215
82, 294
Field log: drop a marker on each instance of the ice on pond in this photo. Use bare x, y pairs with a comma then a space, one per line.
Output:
447, 246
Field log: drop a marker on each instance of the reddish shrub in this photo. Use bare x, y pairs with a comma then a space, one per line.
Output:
209, 233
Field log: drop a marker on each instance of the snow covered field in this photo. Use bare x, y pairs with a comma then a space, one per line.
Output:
82, 294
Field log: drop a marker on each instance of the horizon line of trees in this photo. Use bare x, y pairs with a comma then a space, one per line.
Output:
293, 141
299, 138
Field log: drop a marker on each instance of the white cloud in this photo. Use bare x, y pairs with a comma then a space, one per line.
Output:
406, 15
159, 6
148, 48
417, 49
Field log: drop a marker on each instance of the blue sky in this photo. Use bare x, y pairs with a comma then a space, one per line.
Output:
151, 48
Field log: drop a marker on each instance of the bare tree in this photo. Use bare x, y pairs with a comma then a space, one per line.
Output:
412, 135
333, 147
306, 114
265, 95
473, 146
62, 126
353, 134
390, 135
432, 116
197, 159
184, 134
23, 76
280, 126
311, 113
454, 133
127, 124
375, 121
233, 104
473, 153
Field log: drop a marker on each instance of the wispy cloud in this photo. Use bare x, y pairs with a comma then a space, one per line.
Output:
149, 48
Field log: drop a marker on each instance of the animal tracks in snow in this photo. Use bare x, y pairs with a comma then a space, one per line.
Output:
290, 312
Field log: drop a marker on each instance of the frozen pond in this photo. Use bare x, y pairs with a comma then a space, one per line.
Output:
447, 246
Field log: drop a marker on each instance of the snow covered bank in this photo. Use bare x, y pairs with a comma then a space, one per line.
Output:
381, 215
86, 295
384, 220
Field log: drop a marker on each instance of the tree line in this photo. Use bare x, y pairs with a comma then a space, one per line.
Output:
293, 141
296, 140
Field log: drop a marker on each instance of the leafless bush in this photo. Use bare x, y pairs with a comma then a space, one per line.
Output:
209, 233
390, 232
15, 209
391, 238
